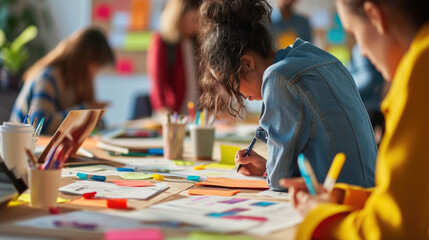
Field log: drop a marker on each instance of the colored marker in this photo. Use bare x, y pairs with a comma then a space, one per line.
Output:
247, 153
142, 169
84, 176
308, 174
334, 171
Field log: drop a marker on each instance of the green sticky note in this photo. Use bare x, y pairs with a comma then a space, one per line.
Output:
183, 162
220, 166
216, 236
135, 176
137, 41
227, 154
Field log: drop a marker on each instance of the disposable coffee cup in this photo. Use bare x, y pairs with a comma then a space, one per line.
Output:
202, 140
44, 186
14, 138
173, 136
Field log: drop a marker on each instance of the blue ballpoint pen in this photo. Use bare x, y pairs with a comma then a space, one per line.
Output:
247, 153
142, 169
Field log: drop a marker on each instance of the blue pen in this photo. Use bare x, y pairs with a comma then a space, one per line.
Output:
247, 153
308, 174
84, 176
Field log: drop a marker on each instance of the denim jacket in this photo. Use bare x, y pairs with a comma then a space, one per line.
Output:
312, 107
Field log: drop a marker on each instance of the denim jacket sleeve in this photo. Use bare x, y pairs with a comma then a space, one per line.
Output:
288, 122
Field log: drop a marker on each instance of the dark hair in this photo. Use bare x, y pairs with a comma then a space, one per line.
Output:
415, 10
229, 29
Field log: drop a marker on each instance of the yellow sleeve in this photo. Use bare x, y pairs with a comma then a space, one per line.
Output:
398, 207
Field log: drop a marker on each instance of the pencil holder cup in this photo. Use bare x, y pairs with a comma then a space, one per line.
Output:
15, 137
173, 137
202, 140
44, 186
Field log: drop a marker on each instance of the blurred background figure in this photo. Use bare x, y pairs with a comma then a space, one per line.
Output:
171, 58
63, 80
371, 87
286, 25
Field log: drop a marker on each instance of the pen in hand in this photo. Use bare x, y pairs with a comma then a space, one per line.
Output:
247, 153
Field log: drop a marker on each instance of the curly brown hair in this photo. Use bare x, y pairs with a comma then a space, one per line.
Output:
229, 29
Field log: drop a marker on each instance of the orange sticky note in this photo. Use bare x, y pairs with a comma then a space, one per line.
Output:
234, 183
117, 203
90, 202
140, 11
223, 193
133, 183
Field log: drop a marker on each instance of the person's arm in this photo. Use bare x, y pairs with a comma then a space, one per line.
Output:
398, 207
157, 63
284, 119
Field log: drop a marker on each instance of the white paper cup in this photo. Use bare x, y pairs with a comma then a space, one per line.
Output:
202, 140
173, 136
44, 186
15, 137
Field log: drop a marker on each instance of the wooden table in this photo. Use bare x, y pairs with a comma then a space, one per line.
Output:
176, 191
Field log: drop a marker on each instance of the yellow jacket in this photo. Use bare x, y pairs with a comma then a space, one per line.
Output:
398, 207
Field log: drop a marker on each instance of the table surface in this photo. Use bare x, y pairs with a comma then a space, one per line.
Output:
176, 190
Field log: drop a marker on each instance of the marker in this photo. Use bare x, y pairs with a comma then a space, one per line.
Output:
247, 153
141, 169
84, 176
334, 171
308, 174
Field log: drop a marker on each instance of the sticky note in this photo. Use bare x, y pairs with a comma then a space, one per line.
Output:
94, 202
234, 183
26, 197
157, 177
133, 183
227, 154
134, 234
137, 41
140, 14
183, 162
124, 66
117, 203
220, 166
102, 12
135, 176
224, 193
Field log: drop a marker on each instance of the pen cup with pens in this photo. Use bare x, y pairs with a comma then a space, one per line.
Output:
44, 186
173, 135
202, 140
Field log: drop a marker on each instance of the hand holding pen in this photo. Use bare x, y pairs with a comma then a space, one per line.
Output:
249, 162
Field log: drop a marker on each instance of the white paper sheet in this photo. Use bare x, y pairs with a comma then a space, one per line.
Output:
224, 214
274, 194
110, 190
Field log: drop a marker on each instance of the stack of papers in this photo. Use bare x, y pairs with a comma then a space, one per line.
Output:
222, 214
110, 190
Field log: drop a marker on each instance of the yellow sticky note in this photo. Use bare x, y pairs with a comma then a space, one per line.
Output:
183, 162
200, 167
227, 154
26, 198
220, 166
158, 177
135, 176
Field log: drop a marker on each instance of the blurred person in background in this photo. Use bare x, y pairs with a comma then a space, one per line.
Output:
171, 58
63, 80
287, 25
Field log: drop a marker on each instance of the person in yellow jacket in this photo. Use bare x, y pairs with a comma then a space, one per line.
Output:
394, 35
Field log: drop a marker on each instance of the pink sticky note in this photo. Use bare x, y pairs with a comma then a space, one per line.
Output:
124, 66
102, 12
133, 183
134, 234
